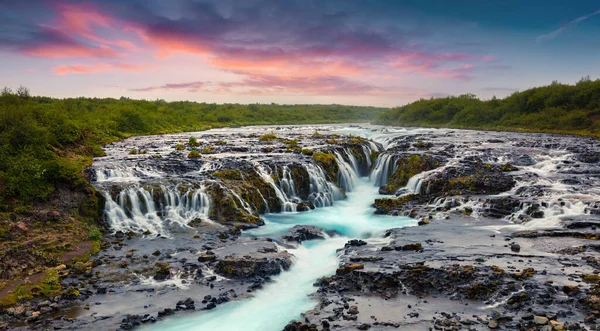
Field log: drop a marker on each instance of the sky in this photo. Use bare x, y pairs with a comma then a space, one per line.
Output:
362, 52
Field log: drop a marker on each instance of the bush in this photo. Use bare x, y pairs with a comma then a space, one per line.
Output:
268, 137
194, 154
95, 234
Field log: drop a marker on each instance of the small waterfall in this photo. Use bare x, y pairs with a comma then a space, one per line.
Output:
122, 174
155, 210
287, 205
322, 192
243, 202
347, 174
287, 184
385, 166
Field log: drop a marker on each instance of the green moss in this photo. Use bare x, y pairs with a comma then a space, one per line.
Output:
388, 205
328, 163
133, 151
374, 155
193, 142
230, 174
194, 154
268, 137
179, 147
307, 151
406, 168
291, 143
95, 234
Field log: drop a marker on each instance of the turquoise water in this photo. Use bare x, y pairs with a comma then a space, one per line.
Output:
288, 295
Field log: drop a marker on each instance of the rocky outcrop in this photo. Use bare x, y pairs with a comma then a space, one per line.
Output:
408, 166
234, 267
471, 176
300, 233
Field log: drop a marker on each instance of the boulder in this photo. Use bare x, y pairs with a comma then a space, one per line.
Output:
235, 267
300, 233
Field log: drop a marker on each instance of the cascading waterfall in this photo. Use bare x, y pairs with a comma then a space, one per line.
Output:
287, 296
322, 192
287, 205
124, 174
385, 166
347, 173
141, 209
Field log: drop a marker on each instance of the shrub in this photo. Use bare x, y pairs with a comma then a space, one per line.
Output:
194, 154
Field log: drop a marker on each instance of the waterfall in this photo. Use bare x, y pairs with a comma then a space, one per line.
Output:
156, 209
385, 166
322, 192
122, 174
287, 205
347, 174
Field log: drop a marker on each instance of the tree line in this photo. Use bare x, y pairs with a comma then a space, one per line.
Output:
558, 108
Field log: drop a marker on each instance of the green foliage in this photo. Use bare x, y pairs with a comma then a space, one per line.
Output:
557, 108
230, 174
328, 162
95, 234
307, 151
45, 142
194, 154
193, 142
268, 137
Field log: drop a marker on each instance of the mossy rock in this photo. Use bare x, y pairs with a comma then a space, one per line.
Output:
406, 168
229, 174
328, 163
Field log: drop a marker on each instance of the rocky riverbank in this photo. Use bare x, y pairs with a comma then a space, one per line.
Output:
486, 253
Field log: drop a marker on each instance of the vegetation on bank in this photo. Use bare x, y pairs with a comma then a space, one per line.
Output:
558, 108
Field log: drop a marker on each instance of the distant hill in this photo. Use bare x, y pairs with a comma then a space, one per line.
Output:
558, 108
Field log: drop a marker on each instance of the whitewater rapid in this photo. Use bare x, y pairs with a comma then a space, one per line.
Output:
288, 295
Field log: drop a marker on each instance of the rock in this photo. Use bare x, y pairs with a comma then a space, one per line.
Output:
353, 310
423, 222
60, 267
249, 267
557, 326
493, 324
163, 272
301, 233
411, 247
53, 216
540, 320
355, 243
165, 312
207, 258
364, 326
515, 247
471, 176
187, 304
349, 268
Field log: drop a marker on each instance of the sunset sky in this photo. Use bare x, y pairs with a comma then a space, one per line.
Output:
382, 53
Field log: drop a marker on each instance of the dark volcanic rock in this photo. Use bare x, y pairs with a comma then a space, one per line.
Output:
301, 233
251, 267
472, 176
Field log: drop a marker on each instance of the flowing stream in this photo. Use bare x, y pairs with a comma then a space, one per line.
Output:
289, 294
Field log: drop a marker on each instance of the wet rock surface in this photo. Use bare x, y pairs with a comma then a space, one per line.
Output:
507, 235
486, 255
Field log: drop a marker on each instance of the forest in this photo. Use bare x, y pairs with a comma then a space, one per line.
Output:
45, 142
555, 108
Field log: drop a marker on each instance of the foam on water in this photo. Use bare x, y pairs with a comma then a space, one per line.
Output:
288, 295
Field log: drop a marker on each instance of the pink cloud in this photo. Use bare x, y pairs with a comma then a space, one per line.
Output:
260, 84
96, 68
